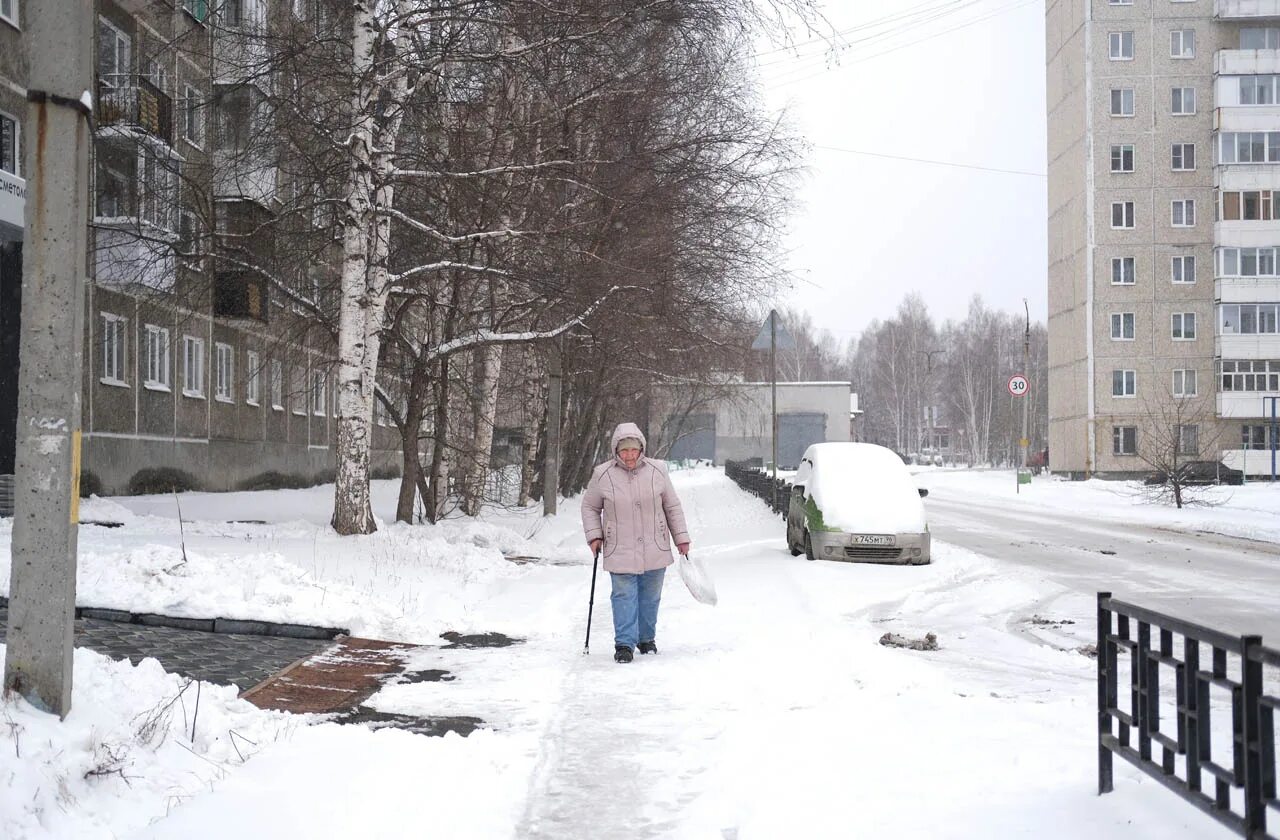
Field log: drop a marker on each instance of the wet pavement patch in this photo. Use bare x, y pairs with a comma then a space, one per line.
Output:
478, 640
429, 675
430, 726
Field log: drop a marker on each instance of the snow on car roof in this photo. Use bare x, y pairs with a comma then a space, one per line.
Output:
862, 488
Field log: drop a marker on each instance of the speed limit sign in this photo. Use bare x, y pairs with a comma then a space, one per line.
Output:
1018, 385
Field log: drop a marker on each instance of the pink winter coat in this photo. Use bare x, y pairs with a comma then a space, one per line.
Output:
636, 512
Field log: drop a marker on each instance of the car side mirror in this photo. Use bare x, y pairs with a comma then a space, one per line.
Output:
924, 491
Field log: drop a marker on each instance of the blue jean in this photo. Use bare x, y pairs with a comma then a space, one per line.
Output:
635, 607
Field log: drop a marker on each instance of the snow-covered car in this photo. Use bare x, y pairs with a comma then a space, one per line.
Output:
856, 502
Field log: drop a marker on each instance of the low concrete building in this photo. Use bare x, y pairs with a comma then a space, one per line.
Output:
733, 421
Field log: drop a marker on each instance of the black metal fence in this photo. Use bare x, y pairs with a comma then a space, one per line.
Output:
776, 496
1244, 791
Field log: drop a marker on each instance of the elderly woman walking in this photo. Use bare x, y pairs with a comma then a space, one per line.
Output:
630, 514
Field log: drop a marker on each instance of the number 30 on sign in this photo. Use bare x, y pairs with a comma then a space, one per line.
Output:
1018, 385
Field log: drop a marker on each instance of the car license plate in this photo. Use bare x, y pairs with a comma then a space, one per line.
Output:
872, 539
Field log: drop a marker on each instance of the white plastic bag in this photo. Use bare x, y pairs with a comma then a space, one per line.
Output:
695, 576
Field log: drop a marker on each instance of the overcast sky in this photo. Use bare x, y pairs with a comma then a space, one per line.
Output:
871, 228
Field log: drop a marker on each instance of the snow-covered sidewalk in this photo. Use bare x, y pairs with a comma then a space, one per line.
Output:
774, 714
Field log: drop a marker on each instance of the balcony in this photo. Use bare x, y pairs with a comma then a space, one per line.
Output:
1246, 9
1266, 346
133, 103
1247, 62
1237, 234
238, 293
1255, 462
1240, 404
1246, 289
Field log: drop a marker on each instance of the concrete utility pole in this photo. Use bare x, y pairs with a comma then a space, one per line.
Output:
551, 459
1023, 442
42, 589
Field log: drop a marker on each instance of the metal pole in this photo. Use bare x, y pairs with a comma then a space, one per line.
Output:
551, 460
591, 603
773, 384
1274, 434
1023, 442
42, 589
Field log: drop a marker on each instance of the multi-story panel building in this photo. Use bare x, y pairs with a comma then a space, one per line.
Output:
1163, 232
189, 361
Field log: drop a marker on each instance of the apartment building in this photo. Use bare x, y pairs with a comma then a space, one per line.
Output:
1164, 228
191, 359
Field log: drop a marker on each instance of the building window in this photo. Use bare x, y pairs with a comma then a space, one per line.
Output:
1120, 2
1248, 375
1249, 205
1184, 382
1184, 101
1122, 102
159, 185
1122, 326
317, 393
10, 156
1122, 214
224, 367
1248, 318
1124, 383
277, 385
252, 376
192, 116
9, 11
1246, 262
1184, 157
1124, 440
157, 358
1182, 43
115, 347
1184, 269
1188, 439
1184, 326
192, 366
1121, 44
1182, 213
1122, 272
1255, 436
1260, 38
114, 55
198, 9
1122, 158
1259, 90
1249, 147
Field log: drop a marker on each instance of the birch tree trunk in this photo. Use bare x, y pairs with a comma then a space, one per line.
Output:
483, 416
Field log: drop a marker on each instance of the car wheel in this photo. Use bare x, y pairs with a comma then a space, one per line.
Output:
795, 552
808, 546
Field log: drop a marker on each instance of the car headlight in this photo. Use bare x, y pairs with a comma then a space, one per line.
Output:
828, 549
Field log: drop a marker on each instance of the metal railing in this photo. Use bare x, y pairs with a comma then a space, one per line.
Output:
132, 100
1252, 770
6, 495
776, 496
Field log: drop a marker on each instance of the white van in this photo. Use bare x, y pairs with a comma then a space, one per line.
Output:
856, 502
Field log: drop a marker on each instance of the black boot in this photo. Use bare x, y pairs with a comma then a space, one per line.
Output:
622, 653
647, 647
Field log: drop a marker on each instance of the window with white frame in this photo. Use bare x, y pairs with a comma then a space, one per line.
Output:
1124, 383
1263, 89
115, 347
224, 368
1188, 439
1249, 147
1182, 212
1248, 205
299, 391
1184, 157
1251, 375
198, 9
1122, 102
1260, 38
159, 187
1184, 382
1182, 43
1184, 101
277, 385
1247, 262
114, 55
9, 11
1122, 271
317, 393
1122, 158
1183, 268
10, 154
1248, 318
157, 358
252, 377
1121, 46
1255, 436
1122, 326
192, 366
1124, 440
1184, 326
1120, 2
1121, 214
192, 115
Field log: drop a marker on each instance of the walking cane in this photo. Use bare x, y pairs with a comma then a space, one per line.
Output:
591, 602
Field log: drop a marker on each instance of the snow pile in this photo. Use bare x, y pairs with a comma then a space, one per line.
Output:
862, 488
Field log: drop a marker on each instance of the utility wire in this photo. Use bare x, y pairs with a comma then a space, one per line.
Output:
934, 162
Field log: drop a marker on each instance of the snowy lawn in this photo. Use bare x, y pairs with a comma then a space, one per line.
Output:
774, 714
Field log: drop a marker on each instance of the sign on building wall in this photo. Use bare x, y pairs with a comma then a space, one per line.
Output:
13, 200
